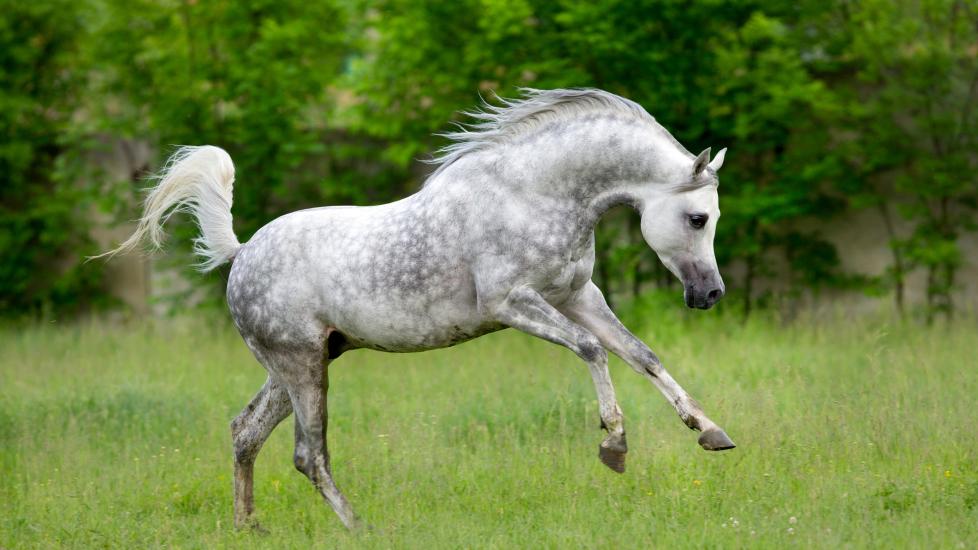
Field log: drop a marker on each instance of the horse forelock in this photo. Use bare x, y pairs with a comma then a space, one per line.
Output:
708, 179
497, 123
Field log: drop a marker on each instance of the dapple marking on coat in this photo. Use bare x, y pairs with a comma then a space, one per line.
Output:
501, 235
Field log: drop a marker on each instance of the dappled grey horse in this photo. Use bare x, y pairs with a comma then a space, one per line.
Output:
501, 235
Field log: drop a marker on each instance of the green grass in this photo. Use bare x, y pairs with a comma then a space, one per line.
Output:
864, 432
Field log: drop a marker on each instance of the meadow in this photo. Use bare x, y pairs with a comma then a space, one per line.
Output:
850, 432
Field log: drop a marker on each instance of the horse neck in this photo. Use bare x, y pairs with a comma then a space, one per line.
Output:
598, 162
585, 166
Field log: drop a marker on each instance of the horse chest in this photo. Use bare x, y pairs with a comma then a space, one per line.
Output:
569, 274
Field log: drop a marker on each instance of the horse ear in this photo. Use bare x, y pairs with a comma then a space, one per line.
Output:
701, 162
717, 161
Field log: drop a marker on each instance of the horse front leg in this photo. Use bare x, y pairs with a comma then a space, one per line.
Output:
525, 310
590, 310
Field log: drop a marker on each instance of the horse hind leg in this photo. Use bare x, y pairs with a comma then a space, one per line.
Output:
249, 430
308, 388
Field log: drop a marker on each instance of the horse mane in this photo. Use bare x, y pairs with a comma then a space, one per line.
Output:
496, 123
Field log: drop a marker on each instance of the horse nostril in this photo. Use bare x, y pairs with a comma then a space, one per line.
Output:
715, 295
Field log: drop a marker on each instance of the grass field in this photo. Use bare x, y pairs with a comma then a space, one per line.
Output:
850, 434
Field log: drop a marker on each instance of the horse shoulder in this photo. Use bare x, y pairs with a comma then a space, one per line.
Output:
583, 264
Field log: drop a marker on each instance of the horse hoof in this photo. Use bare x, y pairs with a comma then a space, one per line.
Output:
612, 458
358, 527
252, 526
715, 440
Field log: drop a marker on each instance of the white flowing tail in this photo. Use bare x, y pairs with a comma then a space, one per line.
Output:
198, 180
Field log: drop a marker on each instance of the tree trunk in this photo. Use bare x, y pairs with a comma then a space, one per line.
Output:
943, 280
930, 293
899, 270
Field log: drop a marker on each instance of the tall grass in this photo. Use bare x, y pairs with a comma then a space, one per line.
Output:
854, 433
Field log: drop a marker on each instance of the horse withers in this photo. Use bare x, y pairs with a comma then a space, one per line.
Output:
501, 235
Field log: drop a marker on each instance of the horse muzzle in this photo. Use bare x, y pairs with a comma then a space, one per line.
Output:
701, 298
702, 286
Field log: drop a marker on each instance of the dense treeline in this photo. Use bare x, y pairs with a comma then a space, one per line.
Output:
826, 106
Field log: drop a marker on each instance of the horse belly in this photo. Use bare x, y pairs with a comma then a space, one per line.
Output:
410, 325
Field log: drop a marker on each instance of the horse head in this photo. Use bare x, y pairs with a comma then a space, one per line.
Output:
679, 221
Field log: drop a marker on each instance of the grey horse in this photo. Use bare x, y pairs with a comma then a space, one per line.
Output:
501, 235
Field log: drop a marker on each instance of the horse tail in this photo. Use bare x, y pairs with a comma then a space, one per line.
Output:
197, 180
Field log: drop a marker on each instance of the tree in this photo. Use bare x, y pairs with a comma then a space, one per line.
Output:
825, 106
915, 106
252, 77
772, 110
43, 206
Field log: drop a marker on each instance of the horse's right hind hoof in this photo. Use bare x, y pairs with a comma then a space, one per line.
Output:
715, 440
251, 526
612, 458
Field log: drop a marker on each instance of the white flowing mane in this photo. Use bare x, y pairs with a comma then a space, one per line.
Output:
536, 107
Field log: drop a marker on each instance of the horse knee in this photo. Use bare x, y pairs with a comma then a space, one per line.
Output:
591, 350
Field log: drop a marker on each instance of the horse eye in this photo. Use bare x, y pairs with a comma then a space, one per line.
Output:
698, 220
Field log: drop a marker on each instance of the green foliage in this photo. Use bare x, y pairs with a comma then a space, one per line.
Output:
826, 107
250, 77
43, 208
712, 74
917, 67
771, 108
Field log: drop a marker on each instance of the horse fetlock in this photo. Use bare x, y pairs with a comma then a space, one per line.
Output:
693, 422
616, 441
692, 414
303, 462
613, 424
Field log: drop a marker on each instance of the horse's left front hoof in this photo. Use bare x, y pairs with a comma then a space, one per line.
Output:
612, 459
612, 452
715, 440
